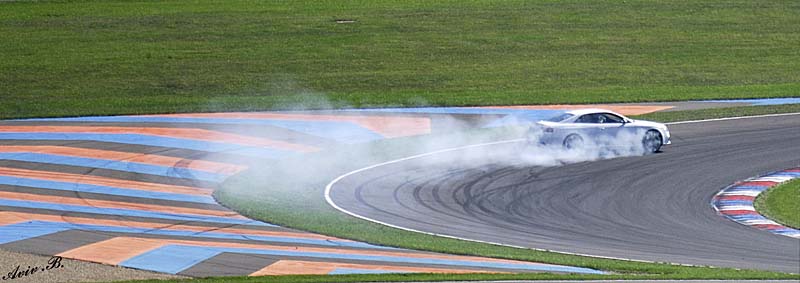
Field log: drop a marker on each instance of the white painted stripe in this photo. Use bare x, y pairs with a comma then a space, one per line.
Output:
732, 118
749, 193
736, 207
779, 179
330, 202
759, 222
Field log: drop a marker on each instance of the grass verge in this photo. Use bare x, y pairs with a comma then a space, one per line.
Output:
77, 58
713, 113
781, 203
294, 199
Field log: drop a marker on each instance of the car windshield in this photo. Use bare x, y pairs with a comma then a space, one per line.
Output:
560, 118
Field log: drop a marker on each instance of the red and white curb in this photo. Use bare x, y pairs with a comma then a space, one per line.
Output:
736, 202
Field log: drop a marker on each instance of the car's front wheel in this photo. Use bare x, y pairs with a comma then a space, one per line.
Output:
652, 141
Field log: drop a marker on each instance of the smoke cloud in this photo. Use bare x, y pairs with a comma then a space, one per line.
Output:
448, 132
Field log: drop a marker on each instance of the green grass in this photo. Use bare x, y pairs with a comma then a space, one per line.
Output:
65, 58
293, 197
781, 203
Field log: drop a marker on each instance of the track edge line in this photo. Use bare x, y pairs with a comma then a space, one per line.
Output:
329, 188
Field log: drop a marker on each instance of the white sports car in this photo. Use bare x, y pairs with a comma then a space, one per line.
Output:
599, 128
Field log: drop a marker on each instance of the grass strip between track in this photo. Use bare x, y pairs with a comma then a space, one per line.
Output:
294, 198
781, 203
716, 113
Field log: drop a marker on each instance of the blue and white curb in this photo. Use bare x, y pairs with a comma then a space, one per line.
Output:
736, 202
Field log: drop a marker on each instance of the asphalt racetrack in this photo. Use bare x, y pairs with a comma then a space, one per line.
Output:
654, 208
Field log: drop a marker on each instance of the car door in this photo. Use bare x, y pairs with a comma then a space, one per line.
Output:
590, 126
613, 125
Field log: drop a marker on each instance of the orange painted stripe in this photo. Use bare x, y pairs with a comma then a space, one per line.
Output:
10, 217
129, 241
186, 133
389, 126
117, 204
113, 251
102, 181
117, 250
169, 161
621, 109
299, 267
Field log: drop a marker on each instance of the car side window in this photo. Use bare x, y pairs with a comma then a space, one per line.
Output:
611, 118
588, 118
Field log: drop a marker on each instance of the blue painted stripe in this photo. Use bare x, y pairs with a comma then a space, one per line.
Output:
764, 101
174, 172
128, 212
170, 258
786, 174
362, 271
792, 232
14, 232
746, 217
154, 141
341, 131
747, 188
89, 188
733, 202
36, 225
157, 260
784, 230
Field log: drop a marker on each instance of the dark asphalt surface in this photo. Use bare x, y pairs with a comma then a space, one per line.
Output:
654, 208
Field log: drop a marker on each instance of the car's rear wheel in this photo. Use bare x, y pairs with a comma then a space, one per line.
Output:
652, 141
573, 141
